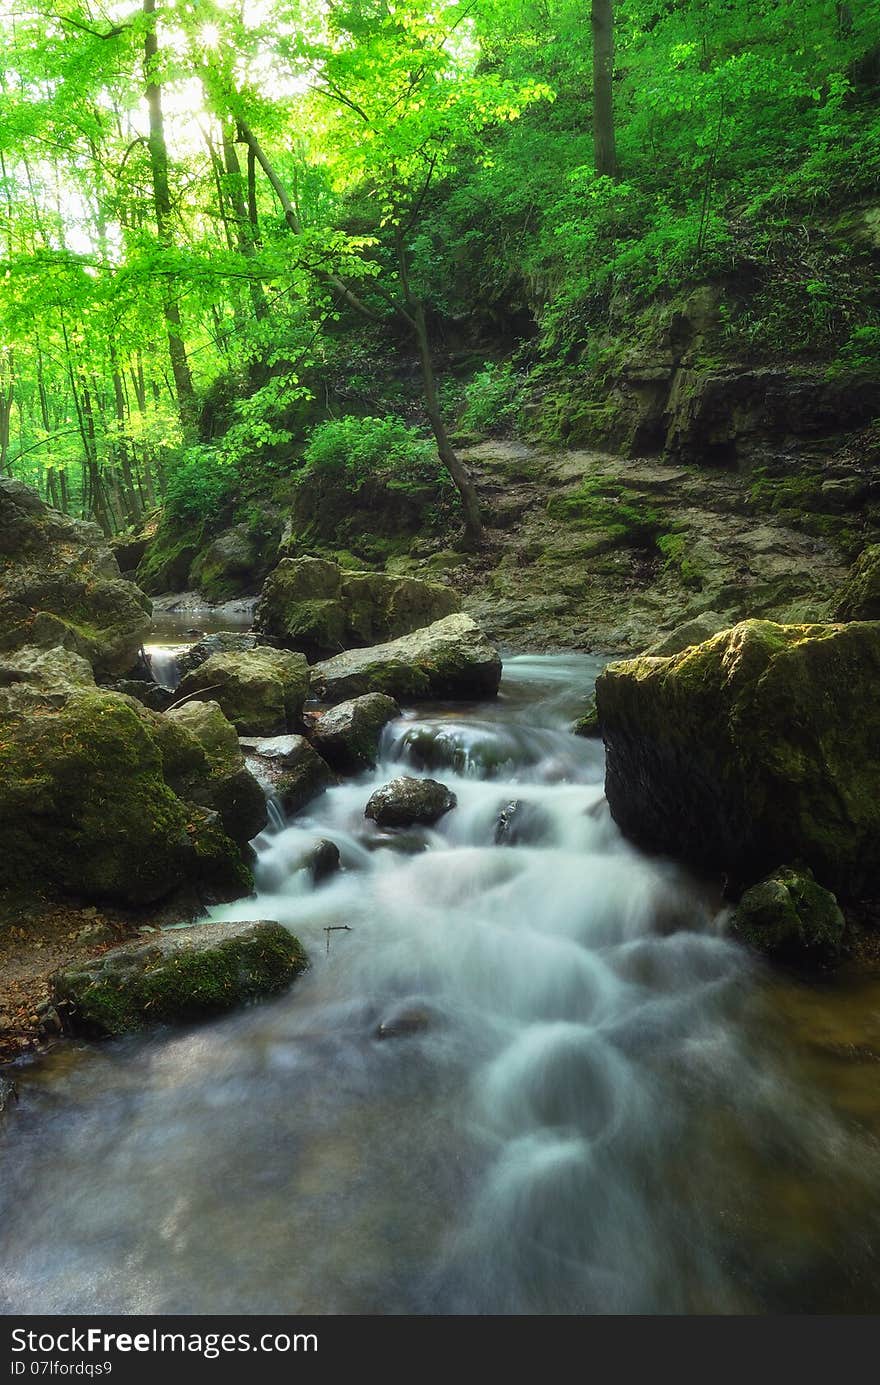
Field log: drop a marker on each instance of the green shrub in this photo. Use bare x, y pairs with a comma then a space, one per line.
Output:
492, 399
200, 484
355, 449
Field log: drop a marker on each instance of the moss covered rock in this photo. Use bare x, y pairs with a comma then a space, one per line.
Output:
348, 735
260, 691
860, 598
761, 745
179, 975
236, 561
167, 560
86, 808
789, 917
37, 677
60, 586
406, 802
450, 659
320, 608
227, 786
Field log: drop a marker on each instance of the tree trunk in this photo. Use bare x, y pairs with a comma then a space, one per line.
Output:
604, 147
473, 525
186, 400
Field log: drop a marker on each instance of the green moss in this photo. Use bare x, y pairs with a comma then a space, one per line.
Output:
601, 505
186, 984
789, 916
166, 563
677, 553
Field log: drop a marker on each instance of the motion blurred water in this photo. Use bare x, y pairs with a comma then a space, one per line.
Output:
588, 1100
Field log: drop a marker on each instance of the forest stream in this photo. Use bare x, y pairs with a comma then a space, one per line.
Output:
525, 1073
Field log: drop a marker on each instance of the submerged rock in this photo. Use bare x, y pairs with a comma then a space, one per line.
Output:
587, 724
228, 786
348, 735
450, 659
295, 770
87, 809
522, 824
761, 745
261, 691
60, 585
406, 801
860, 598
315, 606
789, 916
179, 975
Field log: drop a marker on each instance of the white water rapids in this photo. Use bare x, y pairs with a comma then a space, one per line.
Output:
590, 1107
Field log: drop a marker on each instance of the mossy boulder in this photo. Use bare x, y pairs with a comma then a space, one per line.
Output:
860, 598
236, 561
290, 768
221, 642
38, 677
587, 724
167, 559
261, 691
180, 975
60, 586
789, 917
695, 631
223, 782
320, 608
760, 745
449, 659
86, 808
408, 802
348, 735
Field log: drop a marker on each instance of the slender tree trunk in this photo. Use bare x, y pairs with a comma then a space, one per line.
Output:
604, 146
186, 400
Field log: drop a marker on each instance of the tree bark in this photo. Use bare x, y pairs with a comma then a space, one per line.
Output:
186, 400
604, 145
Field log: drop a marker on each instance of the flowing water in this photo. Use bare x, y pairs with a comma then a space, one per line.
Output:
525, 1073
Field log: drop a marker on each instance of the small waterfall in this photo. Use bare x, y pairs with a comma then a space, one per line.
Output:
163, 661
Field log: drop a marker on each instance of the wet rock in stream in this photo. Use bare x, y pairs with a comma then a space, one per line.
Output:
406, 801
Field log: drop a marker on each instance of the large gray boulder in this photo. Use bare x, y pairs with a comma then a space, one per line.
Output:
348, 735
181, 974
60, 586
761, 745
290, 767
450, 659
32, 677
315, 606
261, 691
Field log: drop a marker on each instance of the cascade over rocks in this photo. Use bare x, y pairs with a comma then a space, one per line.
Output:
450, 659
348, 735
60, 586
761, 745
315, 606
260, 691
406, 801
182, 974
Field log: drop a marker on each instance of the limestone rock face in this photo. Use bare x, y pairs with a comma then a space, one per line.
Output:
60, 586
181, 974
32, 677
221, 642
347, 735
260, 691
87, 807
315, 606
789, 917
450, 659
761, 745
691, 632
860, 598
406, 802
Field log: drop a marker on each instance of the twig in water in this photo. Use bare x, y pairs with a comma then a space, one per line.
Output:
335, 928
